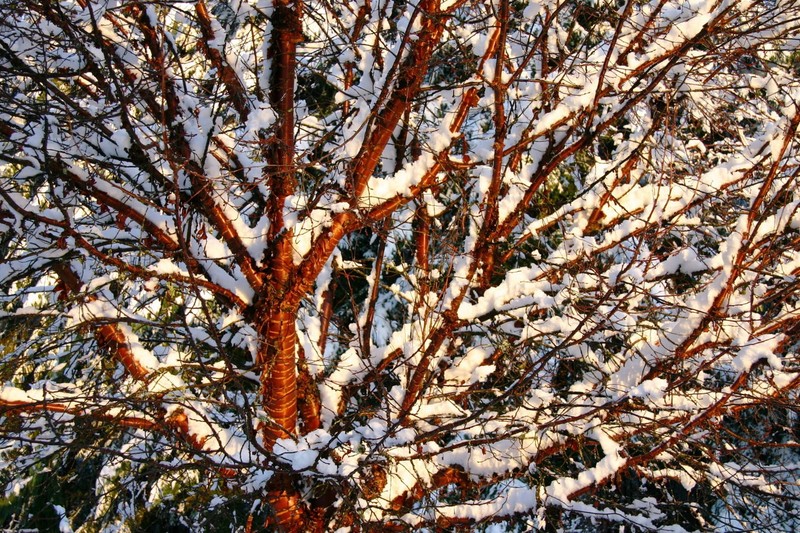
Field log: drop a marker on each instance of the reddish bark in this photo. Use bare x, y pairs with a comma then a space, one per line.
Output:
276, 319
325, 315
308, 401
409, 80
422, 234
279, 375
289, 514
111, 338
279, 148
108, 336
63, 406
277, 314
228, 77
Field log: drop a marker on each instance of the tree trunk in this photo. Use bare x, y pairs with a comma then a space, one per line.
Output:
279, 375
277, 359
288, 511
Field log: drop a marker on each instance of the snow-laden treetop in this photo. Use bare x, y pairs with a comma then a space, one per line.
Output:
417, 264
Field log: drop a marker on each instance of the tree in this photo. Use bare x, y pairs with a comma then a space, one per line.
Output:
438, 264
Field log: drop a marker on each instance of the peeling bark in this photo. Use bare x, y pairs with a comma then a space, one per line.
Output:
278, 364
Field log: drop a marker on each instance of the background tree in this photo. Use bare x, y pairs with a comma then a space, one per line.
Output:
436, 264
